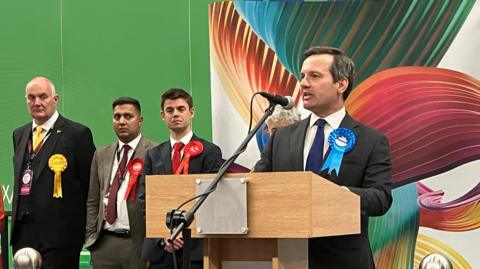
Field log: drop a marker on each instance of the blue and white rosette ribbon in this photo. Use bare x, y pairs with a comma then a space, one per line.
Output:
341, 141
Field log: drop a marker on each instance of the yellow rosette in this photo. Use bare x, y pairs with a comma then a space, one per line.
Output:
58, 164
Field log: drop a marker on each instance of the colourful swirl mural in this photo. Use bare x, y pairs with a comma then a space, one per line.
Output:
430, 115
461, 214
427, 245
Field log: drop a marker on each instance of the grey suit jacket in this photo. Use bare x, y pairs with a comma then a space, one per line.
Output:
366, 171
100, 176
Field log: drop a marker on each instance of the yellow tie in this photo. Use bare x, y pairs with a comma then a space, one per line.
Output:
38, 137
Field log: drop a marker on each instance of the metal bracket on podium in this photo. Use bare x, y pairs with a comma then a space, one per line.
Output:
225, 209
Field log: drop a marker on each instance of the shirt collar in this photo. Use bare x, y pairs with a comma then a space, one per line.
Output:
133, 144
333, 119
48, 124
184, 139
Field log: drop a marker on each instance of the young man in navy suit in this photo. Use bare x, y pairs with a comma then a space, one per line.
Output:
359, 162
166, 158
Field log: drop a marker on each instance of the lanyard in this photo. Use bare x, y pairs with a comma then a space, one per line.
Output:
122, 174
33, 152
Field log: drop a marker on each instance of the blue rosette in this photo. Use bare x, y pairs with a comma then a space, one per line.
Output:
341, 141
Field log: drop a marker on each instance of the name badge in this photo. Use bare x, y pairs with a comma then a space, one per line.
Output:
26, 183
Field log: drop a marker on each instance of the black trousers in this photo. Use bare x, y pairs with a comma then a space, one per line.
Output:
26, 235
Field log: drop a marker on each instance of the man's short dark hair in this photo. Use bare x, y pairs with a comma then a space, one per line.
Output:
127, 100
342, 66
176, 93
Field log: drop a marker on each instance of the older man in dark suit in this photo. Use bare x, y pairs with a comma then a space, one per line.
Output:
356, 157
115, 225
167, 158
52, 157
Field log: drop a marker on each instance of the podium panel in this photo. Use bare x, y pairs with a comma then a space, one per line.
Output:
282, 209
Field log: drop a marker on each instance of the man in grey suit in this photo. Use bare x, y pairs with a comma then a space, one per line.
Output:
356, 156
115, 227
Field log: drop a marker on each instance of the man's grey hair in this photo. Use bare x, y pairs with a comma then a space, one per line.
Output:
50, 83
435, 261
27, 258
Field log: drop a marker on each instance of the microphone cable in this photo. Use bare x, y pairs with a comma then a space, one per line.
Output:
228, 161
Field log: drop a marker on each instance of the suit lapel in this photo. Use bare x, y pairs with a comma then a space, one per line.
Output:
108, 159
348, 123
141, 149
51, 143
20, 150
195, 162
297, 142
137, 224
139, 152
19, 155
166, 155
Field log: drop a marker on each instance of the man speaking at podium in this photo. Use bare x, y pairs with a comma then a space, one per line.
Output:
333, 145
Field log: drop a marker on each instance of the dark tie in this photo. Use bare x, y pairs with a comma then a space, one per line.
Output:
112, 197
177, 148
315, 156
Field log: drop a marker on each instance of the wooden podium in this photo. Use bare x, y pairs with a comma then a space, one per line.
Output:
284, 209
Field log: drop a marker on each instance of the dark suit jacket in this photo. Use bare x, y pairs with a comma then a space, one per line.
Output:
366, 171
100, 176
158, 162
60, 222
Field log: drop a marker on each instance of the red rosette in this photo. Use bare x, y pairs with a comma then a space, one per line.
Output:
192, 149
135, 168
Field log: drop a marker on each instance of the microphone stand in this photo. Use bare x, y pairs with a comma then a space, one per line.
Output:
185, 218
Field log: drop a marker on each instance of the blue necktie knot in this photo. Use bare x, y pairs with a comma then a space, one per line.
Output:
320, 123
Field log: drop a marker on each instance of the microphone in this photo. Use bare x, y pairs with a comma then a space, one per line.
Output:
286, 101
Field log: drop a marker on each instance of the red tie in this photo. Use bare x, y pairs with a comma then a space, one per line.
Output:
177, 148
119, 176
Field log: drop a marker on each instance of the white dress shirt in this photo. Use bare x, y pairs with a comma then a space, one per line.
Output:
184, 140
46, 126
332, 122
121, 223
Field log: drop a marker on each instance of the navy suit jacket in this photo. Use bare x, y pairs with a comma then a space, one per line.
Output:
366, 171
158, 162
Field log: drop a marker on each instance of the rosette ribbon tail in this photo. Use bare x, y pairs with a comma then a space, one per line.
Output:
57, 185
341, 141
334, 160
